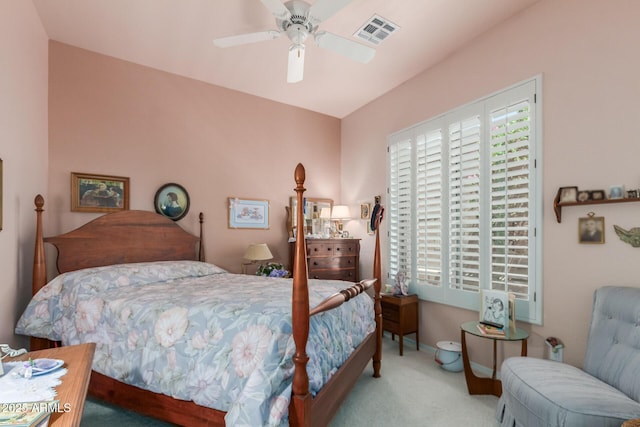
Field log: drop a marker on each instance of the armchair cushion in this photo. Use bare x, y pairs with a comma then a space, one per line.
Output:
540, 392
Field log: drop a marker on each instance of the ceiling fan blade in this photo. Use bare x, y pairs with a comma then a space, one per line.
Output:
346, 47
246, 38
277, 8
322, 10
296, 63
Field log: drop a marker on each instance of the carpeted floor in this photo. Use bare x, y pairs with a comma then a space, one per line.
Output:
413, 391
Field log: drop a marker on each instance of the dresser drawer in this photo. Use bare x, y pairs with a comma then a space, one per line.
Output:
319, 249
348, 274
390, 312
331, 262
345, 249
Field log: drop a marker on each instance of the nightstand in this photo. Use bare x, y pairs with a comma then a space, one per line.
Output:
400, 316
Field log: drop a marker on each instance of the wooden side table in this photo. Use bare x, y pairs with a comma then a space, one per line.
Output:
478, 385
400, 316
73, 390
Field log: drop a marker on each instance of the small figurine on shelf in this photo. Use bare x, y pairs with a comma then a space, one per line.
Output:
400, 286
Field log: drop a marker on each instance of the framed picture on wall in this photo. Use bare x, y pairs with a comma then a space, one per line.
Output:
591, 229
99, 193
248, 213
172, 201
365, 211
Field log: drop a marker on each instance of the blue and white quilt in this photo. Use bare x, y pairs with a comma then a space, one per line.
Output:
195, 332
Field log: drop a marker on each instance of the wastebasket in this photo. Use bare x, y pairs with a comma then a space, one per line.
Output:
555, 347
449, 356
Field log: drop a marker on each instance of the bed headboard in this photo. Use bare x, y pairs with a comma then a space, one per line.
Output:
133, 236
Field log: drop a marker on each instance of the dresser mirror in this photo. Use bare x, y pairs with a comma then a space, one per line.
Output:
313, 222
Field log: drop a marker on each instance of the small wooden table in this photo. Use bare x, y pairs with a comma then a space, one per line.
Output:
73, 390
478, 385
400, 316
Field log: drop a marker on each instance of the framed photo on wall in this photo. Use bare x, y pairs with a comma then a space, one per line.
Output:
248, 213
99, 193
365, 211
172, 201
591, 229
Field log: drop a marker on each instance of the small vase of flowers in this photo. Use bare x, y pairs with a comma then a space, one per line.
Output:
272, 269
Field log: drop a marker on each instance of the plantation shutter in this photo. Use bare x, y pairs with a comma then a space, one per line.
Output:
464, 203
510, 195
429, 195
400, 215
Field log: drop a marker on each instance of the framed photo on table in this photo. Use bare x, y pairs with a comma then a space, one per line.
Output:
248, 213
99, 193
494, 307
172, 201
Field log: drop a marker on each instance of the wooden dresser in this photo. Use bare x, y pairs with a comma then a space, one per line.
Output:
337, 259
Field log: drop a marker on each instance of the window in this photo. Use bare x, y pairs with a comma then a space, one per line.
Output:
465, 202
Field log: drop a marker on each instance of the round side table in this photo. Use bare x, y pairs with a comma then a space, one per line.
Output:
480, 385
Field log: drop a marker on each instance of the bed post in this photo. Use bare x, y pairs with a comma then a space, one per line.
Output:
300, 406
201, 241
39, 278
377, 274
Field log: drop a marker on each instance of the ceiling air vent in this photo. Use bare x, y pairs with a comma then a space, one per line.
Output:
376, 30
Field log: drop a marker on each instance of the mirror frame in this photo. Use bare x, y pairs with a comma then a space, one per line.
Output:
309, 203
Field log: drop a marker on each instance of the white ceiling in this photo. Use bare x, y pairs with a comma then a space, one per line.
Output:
176, 36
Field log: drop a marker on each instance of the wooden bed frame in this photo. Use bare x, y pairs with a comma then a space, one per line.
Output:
148, 236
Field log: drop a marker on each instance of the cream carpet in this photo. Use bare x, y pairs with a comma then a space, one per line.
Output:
413, 391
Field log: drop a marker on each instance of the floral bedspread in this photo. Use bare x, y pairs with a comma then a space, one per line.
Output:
196, 332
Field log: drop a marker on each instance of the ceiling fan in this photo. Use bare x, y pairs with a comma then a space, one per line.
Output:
298, 20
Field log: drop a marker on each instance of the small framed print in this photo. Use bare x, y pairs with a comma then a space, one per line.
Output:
584, 196
597, 195
616, 192
494, 307
365, 211
248, 213
172, 201
632, 194
568, 194
99, 193
591, 229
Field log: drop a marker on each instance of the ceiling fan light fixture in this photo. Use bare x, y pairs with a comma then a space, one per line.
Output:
295, 69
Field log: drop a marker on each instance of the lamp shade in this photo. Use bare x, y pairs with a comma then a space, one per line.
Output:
340, 212
258, 252
325, 213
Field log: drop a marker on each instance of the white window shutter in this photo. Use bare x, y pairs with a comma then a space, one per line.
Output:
464, 203
510, 197
400, 208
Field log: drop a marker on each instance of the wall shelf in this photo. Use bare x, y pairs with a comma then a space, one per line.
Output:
557, 206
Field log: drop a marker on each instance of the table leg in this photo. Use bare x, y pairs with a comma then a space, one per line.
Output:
478, 385
523, 352
401, 341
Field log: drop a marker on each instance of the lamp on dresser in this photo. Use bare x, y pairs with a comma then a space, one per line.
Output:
338, 214
254, 253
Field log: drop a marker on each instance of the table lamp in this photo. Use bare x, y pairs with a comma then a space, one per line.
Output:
254, 253
338, 214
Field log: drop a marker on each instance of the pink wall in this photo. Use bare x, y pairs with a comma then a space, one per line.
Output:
23, 149
112, 117
587, 53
